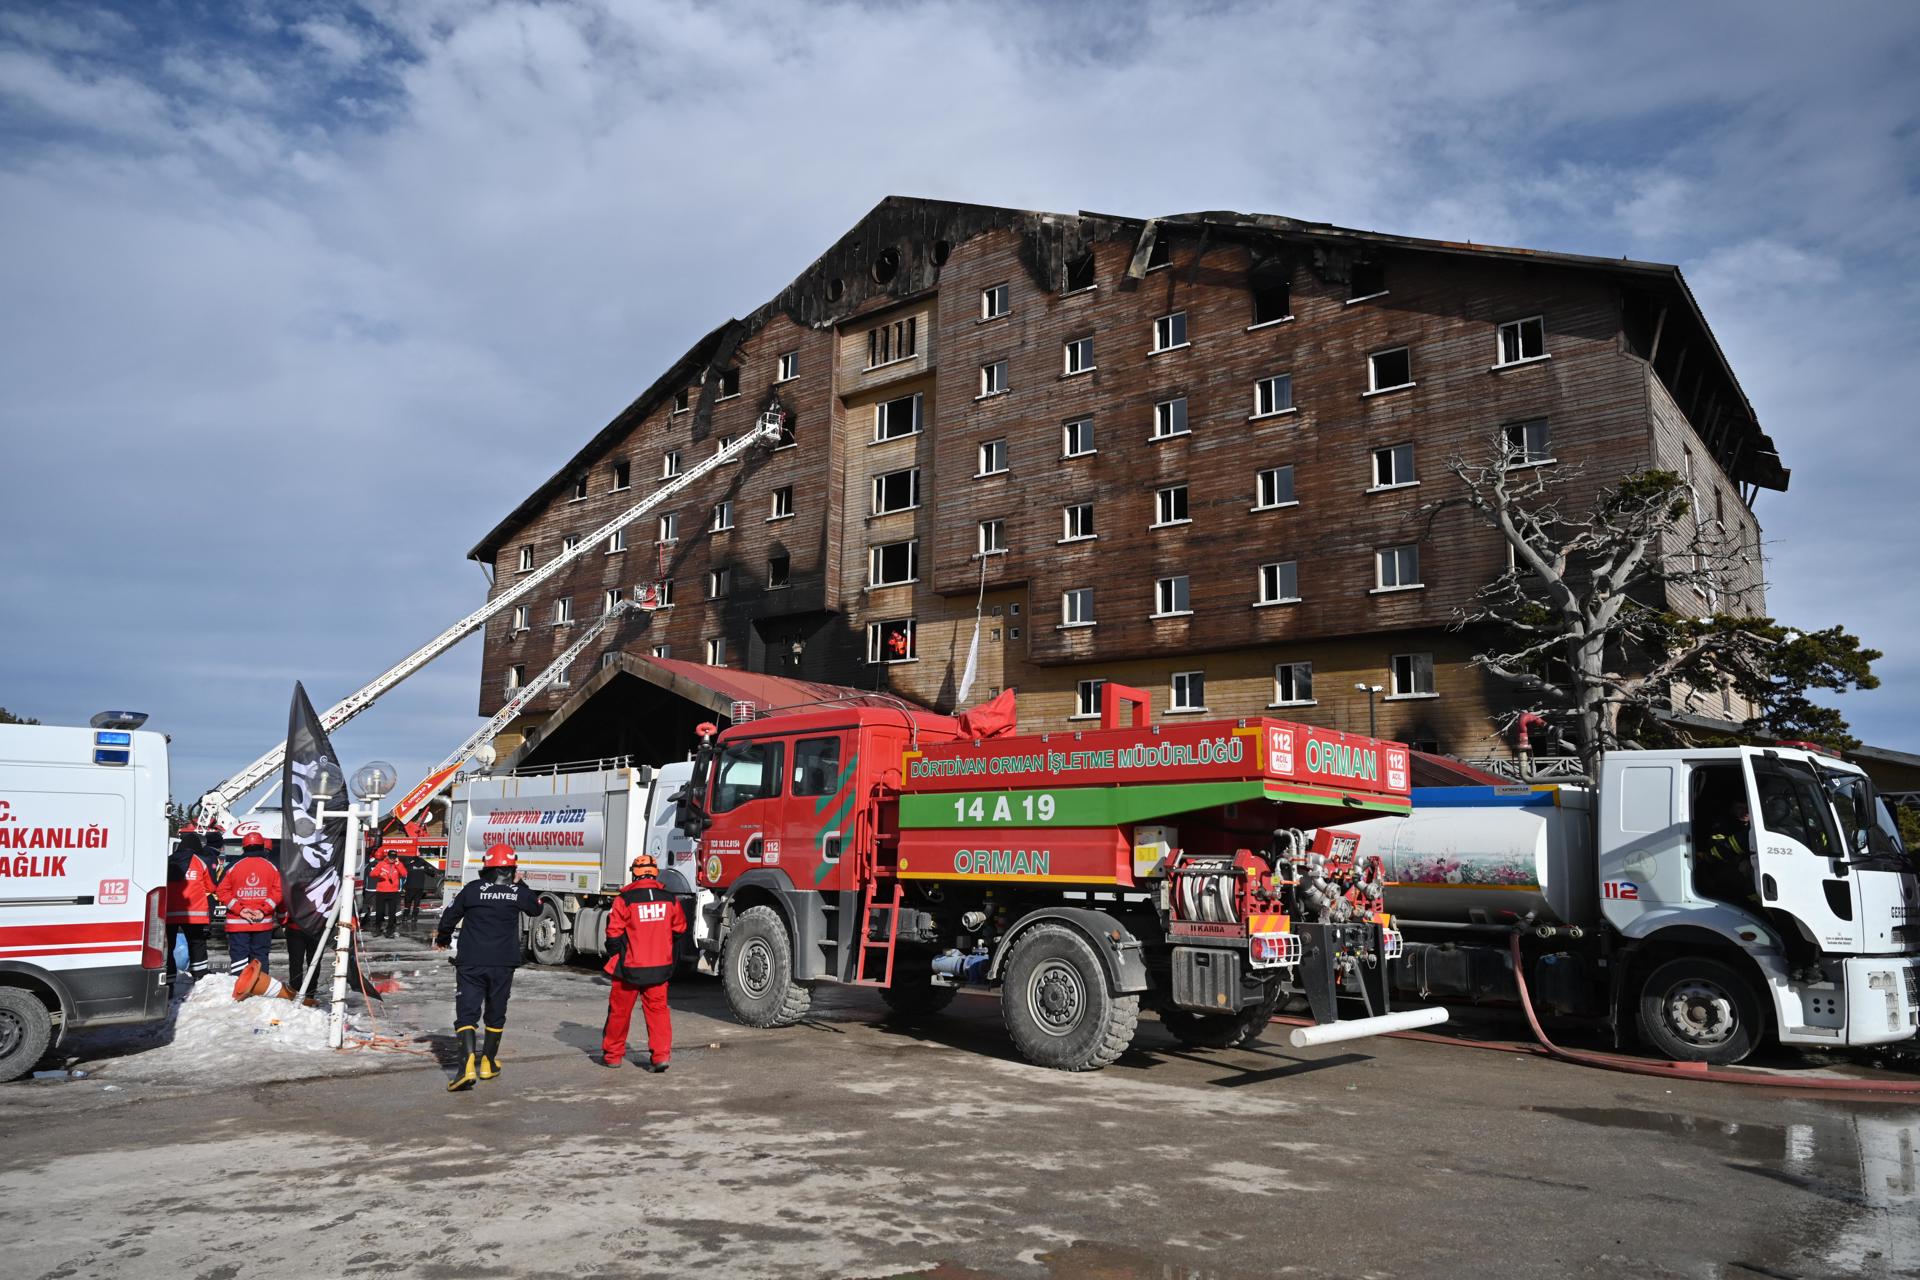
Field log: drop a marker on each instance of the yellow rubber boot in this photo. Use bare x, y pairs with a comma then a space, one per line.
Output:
467, 1058
490, 1054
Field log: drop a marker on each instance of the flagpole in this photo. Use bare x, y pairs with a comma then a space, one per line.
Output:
347, 916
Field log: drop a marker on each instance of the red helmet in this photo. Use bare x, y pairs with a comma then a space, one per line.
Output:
501, 855
253, 840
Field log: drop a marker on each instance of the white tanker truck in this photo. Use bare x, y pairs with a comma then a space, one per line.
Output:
1622, 912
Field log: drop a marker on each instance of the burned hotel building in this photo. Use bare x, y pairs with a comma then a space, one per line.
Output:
1193, 454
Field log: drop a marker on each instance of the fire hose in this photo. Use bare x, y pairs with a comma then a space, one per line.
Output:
1546, 1048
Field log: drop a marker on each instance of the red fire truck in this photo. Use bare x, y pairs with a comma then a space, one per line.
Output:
1190, 866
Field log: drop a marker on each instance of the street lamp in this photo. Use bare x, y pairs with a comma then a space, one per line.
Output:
1372, 691
370, 783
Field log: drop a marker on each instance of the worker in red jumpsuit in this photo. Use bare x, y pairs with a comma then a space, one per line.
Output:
251, 890
389, 877
640, 933
189, 905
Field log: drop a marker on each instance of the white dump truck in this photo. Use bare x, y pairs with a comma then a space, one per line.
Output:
576, 828
1709, 898
83, 881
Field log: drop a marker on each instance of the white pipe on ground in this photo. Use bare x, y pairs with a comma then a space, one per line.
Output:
1354, 1029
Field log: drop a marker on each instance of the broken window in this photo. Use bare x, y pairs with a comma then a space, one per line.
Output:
891, 641
896, 491
1523, 340
580, 489
779, 571
526, 559
896, 418
1368, 279
1389, 369
1080, 273
893, 563
1170, 505
1272, 297
516, 675
622, 475
1161, 253
729, 383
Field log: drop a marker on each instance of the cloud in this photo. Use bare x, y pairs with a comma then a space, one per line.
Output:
376, 269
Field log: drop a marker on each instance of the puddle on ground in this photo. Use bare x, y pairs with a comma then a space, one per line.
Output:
1865, 1160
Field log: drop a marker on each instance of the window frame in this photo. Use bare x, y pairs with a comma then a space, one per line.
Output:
1523, 456
716, 652
670, 464
997, 526
1072, 615
1380, 584
1162, 595
622, 475
1001, 294
1260, 502
522, 619
1293, 670
1164, 500
1261, 386
617, 541
1070, 530
1180, 690
1518, 326
1416, 664
786, 366
1392, 453
1173, 325
876, 558
1086, 693
563, 611
993, 379
1373, 384
669, 527
722, 519
879, 491
1186, 422
876, 642
997, 445
1282, 570
611, 597
1076, 357
728, 378
1067, 434
579, 489
881, 417
720, 582
516, 676
775, 502
785, 579
525, 563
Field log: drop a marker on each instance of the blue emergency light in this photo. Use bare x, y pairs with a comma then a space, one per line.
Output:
112, 746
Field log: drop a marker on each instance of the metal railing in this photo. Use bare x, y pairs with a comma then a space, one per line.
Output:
1536, 769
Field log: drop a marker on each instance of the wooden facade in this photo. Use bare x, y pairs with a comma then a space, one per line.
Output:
921, 413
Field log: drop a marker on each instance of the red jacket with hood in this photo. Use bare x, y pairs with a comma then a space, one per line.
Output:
250, 887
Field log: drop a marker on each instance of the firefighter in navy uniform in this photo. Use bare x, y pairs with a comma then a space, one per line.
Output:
640, 945
489, 911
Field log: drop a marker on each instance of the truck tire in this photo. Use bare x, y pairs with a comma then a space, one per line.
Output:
913, 995
1055, 1001
1219, 1031
26, 1028
549, 938
1699, 1010
756, 969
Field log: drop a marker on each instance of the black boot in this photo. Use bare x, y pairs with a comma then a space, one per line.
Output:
490, 1054
468, 1073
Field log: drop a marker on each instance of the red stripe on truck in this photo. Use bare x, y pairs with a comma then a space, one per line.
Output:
95, 950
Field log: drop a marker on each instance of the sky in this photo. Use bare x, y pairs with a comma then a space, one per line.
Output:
298, 299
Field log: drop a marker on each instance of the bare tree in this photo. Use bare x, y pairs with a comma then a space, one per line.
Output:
1586, 621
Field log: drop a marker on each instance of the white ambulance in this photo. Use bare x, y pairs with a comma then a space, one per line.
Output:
83, 882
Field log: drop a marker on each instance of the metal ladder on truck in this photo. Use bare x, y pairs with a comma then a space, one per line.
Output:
215, 806
877, 860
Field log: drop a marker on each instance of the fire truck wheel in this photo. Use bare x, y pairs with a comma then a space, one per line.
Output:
1056, 1004
1698, 1010
1218, 1031
25, 1030
548, 939
915, 996
756, 968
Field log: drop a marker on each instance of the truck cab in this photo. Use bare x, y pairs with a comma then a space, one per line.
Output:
83, 882
1779, 855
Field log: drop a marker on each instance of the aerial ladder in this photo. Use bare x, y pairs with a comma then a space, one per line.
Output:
216, 805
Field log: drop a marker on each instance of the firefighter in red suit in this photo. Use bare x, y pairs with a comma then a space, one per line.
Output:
640, 933
389, 876
251, 891
189, 903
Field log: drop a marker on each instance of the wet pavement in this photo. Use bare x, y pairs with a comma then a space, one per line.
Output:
853, 1146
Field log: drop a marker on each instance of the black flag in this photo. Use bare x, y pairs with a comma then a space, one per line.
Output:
312, 849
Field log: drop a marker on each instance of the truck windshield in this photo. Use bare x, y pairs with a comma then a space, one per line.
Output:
1871, 831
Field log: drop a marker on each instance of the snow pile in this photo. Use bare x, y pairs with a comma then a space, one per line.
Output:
259, 1038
